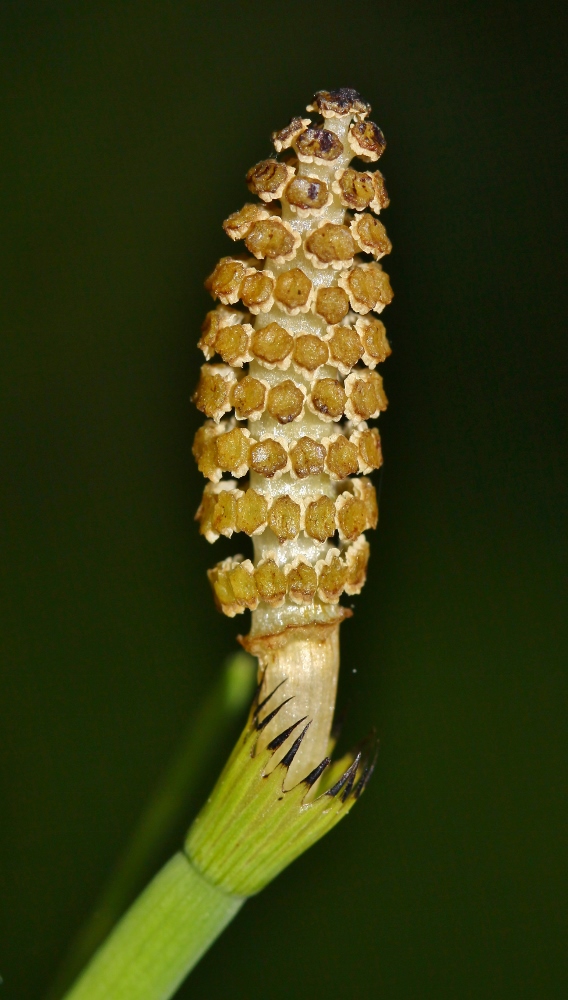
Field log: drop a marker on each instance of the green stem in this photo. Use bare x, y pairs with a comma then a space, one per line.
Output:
166, 816
160, 939
249, 830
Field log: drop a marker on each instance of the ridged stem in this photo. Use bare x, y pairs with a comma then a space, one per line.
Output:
160, 939
165, 816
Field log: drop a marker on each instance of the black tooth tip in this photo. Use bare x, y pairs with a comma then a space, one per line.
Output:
348, 775
317, 772
256, 692
277, 742
291, 753
365, 777
270, 716
264, 701
335, 789
362, 783
351, 779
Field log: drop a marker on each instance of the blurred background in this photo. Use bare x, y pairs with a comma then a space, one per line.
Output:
127, 129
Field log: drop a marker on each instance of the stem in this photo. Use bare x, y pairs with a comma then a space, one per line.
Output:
163, 935
166, 816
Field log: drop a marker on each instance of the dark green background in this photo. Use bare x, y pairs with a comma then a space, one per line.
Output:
127, 130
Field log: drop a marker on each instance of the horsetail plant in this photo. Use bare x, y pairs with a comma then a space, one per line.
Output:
295, 422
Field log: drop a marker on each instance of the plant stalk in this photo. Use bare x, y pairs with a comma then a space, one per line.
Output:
160, 939
166, 816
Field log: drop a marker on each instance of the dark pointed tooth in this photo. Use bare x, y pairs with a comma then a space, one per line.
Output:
350, 780
365, 777
264, 701
291, 753
275, 711
362, 783
317, 772
335, 789
282, 737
